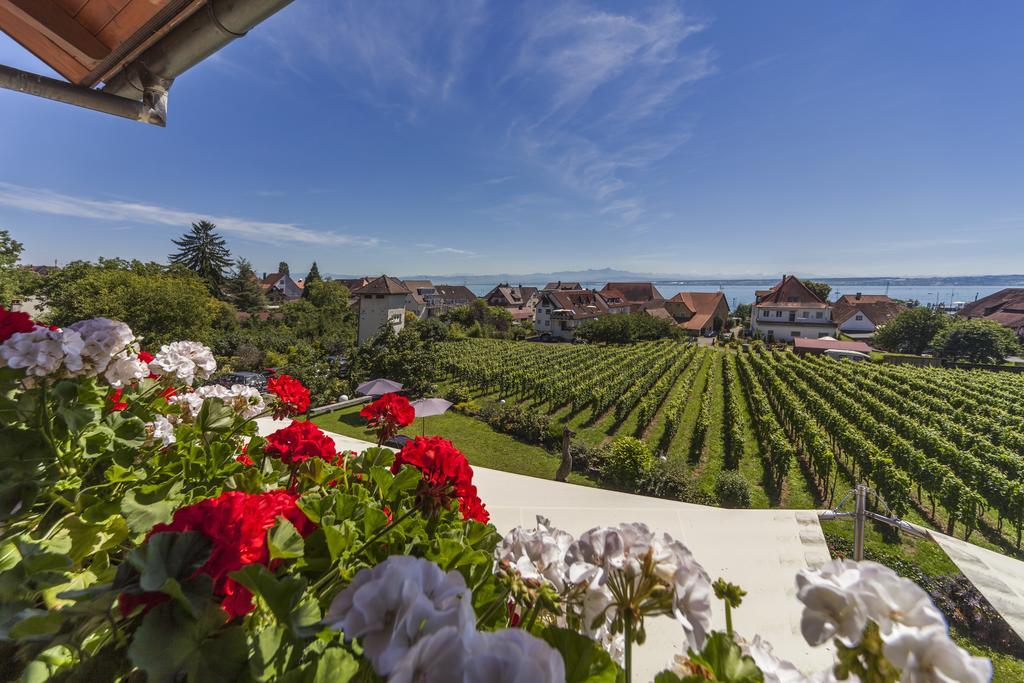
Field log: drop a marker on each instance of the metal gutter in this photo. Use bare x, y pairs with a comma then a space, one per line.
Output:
152, 109
204, 33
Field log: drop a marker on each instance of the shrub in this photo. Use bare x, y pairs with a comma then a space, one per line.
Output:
458, 394
515, 420
732, 490
627, 459
665, 480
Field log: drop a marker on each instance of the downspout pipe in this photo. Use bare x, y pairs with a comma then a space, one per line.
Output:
218, 23
152, 109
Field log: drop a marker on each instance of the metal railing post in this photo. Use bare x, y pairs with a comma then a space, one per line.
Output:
860, 516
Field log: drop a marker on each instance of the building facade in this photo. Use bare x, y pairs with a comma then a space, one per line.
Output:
790, 310
381, 303
859, 315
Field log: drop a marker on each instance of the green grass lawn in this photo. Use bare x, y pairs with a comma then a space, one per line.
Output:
482, 445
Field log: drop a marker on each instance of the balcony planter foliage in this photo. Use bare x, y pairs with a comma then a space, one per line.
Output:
147, 532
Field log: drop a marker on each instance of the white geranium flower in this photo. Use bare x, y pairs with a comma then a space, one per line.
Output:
125, 369
537, 554
185, 360
832, 606
161, 430
436, 658
104, 340
246, 401
44, 352
928, 655
774, 669
628, 552
391, 606
891, 600
511, 656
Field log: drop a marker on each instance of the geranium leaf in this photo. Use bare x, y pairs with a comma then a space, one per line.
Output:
215, 416
585, 660
169, 555
167, 640
221, 658
271, 653
727, 660
283, 596
407, 479
383, 479
284, 540
146, 507
335, 665
339, 537
36, 624
374, 520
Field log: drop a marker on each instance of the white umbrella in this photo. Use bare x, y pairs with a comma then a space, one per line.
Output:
378, 387
425, 407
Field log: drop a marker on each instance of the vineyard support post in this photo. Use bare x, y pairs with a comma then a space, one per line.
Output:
860, 516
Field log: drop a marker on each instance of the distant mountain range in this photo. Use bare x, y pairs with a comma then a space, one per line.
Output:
602, 275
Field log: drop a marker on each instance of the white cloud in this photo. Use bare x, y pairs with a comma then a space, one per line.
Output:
38, 200
435, 249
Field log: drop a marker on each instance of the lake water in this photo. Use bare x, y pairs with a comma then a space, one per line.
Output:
737, 294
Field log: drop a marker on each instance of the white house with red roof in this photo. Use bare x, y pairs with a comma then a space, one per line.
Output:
381, 303
790, 310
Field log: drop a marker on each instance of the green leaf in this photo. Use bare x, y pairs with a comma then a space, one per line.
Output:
215, 416
221, 658
383, 479
373, 520
168, 640
373, 457
271, 653
36, 624
339, 537
146, 507
169, 555
667, 677
407, 479
585, 660
335, 665
283, 596
727, 660
284, 540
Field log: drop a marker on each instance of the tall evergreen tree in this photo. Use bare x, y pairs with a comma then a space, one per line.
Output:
282, 267
204, 252
243, 288
312, 276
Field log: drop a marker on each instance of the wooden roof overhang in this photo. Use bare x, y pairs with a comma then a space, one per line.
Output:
134, 48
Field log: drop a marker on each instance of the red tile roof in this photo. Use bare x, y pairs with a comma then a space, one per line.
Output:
879, 312
635, 292
383, 285
1007, 304
788, 288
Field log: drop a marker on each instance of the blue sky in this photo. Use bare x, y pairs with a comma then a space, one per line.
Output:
726, 138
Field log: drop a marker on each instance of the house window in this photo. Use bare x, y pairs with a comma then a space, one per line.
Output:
860, 317
818, 315
778, 314
792, 298
806, 314
795, 333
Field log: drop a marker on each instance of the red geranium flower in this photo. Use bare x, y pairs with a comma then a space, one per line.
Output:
168, 393
244, 458
388, 414
293, 397
115, 399
446, 475
147, 358
13, 322
236, 524
300, 441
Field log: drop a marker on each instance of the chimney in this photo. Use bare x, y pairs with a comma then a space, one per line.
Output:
858, 296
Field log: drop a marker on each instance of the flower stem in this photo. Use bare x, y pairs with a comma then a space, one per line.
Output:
728, 618
629, 646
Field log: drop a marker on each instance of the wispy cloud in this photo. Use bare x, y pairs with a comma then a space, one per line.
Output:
38, 200
590, 95
435, 249
401, 53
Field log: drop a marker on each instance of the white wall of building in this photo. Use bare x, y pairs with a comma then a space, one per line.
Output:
857, 323
377, 310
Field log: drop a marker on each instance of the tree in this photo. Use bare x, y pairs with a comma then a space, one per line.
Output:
626, 328
10, 274
401, 357
205, 253
911, 331
282, 267
977, 341
243, 288
820, 288
160, 303
312, 276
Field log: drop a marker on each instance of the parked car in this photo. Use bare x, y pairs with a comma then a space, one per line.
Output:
248, 379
